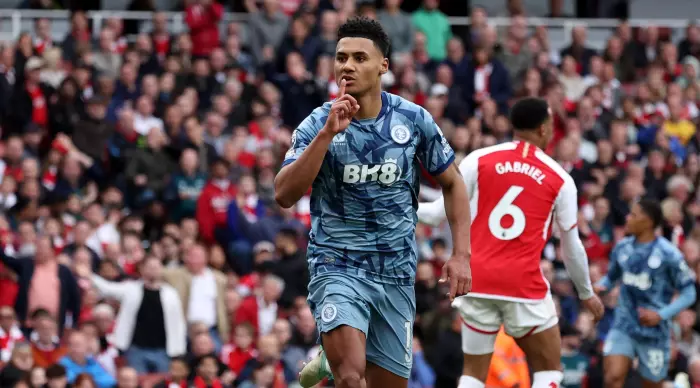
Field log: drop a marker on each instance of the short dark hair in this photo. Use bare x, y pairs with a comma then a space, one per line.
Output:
652, 209
363, 27
529, 113
55, 371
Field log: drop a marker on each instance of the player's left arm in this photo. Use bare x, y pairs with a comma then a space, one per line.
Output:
437, 157
683, 280
573, 251
456, 205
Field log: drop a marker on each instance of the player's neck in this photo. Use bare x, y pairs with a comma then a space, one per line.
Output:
370, 105
645, 237
527, 137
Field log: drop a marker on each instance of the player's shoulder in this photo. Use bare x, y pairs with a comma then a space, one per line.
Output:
481, 152
410, 110
316, 119
555, 167
629, 240
669, 249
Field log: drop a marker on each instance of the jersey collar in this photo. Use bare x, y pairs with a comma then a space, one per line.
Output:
382, 112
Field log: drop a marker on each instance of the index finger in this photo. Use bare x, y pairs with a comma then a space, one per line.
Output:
454, 287
341, 91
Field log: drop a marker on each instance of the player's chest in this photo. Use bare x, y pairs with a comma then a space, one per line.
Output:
372, 153
640, 267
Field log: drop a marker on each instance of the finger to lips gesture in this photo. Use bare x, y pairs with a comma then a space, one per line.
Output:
342, 110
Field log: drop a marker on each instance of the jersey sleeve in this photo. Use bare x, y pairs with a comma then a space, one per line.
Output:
435, 152
614, 270
433, 213
681, 274
469, 168
304, 134
566, 205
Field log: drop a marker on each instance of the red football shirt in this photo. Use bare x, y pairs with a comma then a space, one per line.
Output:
515, 190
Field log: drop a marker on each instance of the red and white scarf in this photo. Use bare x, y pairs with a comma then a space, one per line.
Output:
8, 341
250, 209
199, 382
481, 79
48, 180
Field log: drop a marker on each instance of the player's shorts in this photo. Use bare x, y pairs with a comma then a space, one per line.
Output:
653, 360
482, 319
384, 312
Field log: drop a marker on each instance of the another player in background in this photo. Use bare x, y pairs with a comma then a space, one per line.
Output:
514, 189
361, 155
651, 270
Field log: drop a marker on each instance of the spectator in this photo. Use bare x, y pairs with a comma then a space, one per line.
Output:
268, 28
90, 136
46, 345
44, 283
78, 362
19, 365
291, 267
148, 169
127, 378
399, 27
261, 310
186, 186
236, 354
578, 49
30, 103
486, 78
269, 353
202, 17
177, 375
10, 333
56, 376
213, 203
161, 329
435, 26
107, 61
202, 293
206, 372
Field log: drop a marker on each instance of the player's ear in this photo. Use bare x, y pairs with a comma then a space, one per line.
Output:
384, 66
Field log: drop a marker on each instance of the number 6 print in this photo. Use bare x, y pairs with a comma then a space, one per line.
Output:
506, 207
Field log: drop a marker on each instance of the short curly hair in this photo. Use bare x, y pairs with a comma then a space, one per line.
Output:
363, 27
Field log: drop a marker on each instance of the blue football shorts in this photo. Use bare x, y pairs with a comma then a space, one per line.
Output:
654, 360
384, 312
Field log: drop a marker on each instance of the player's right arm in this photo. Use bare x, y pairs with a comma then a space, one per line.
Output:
573, 251
309, 146
575, 257
614, 272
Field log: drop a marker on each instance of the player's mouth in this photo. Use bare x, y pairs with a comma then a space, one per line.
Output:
348, 79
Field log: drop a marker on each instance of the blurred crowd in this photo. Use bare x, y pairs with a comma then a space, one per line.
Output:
141, 244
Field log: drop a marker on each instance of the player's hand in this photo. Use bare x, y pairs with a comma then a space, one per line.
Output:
648, 317
457, 271
595, 306
342, 111
599, 290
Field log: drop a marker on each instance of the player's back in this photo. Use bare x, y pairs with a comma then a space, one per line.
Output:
514, 189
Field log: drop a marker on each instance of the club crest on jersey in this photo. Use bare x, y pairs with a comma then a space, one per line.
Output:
654, 262
328, 313
400, 134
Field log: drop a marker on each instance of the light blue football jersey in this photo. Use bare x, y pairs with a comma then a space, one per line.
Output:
649, 276
364, 199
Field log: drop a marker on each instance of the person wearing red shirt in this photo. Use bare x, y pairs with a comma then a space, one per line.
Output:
203, 18
517, 192
212, 205
240, 350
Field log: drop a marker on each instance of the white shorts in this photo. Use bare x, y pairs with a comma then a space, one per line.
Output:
482, 319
